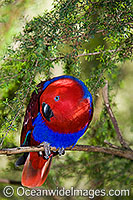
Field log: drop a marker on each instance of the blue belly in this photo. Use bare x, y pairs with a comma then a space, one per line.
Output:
42, 133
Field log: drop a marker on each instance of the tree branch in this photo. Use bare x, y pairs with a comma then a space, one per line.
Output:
84, 54
125, 153
61, 57
112, 117
97, 53
7, 181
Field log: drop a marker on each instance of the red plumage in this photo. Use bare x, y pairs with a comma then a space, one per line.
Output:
31, 113
59, 114
69, 109
36, 170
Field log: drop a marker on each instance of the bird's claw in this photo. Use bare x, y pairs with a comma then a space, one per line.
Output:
47, 150
61, 151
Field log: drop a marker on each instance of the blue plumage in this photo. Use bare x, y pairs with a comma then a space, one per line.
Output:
42, 133
58, 114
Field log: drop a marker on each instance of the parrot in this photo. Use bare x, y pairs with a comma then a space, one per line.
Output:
58, 114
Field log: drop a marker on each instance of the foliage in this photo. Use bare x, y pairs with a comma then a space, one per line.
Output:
89, 39
11, 11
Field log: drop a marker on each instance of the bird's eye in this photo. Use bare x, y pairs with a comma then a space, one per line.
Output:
57, 98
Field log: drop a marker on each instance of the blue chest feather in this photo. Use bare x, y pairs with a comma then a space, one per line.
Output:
42, 133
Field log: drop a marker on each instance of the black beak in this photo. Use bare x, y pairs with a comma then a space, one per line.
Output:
47, 112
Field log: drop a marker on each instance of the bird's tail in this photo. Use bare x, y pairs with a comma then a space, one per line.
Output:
35, 170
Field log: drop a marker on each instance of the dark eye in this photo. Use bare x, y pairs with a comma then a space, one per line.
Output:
57, 98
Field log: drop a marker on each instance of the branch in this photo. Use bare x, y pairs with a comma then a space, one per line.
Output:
7, 181
111, 145
84, 54
97, 53
61, 57
112, 117
125, 153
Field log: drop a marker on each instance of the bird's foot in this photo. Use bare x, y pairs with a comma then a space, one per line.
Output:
46, 150
61, 151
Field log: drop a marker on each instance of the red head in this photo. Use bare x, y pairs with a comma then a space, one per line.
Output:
70, 109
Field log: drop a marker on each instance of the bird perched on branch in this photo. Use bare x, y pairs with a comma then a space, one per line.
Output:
58, 114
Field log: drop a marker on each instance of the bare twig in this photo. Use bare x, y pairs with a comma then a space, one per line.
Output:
112, 117
61, 57
97, 53
111, 145
125, 153
84, 54
7, 181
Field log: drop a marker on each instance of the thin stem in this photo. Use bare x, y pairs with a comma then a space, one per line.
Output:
112, 117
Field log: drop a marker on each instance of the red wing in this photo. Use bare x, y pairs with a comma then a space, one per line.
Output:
31, 113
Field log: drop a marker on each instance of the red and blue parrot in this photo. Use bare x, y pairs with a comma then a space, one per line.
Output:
57, 116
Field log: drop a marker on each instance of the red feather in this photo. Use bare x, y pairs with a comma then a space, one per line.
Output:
36, 170
71, 114
31, 113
